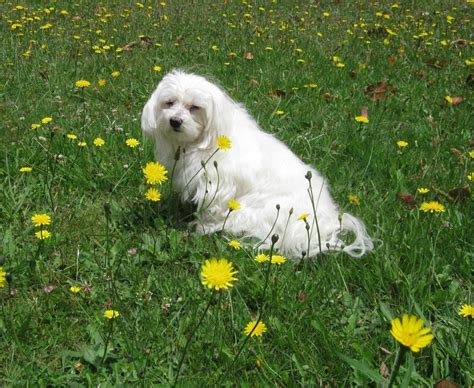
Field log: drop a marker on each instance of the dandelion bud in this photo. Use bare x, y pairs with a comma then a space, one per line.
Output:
307, 225
290, 212
278, 206
308, 175
177, 153
275, 238
9, 278
339, 217
328, 246
215, 164
203, 163
303, 254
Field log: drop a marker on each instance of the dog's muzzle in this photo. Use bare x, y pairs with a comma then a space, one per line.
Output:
175, 123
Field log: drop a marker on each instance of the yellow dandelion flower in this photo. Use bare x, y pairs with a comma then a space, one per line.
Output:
280, 112
471, 154
402, 143
98, 142
469, 62
153, 195
423, 190
411, 333
354, 199
262, 258
470, 177
46, 120
3, 277
224, 143
35, 126
157, 68
132, 142
255, 329
218, 274
278, 259
26, 169
432, 207
71, 136
101, 82
303, 217
75, 289
115, 74
111, 314
42, 234
466, 310
41, 219
82, 144
233, 205
362, 119
234, 244
155, 173
82, 83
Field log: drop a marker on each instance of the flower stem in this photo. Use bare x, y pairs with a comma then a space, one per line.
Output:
188, 341
461, 353
260, 315
107, 340
396, 366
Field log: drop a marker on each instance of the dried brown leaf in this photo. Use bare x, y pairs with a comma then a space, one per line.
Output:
407, 199
302, 296
459, 193
381, 89
248, 56
364, 112
445, 383
277, 93
384, 370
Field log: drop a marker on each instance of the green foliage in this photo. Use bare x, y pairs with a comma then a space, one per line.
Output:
328, 319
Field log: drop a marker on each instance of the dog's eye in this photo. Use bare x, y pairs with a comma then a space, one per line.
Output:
169, 103
194, 108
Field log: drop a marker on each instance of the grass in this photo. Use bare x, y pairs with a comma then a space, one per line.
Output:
328, 321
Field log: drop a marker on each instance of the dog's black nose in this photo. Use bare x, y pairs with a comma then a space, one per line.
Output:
175, 122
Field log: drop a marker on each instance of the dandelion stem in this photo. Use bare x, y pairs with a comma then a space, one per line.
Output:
271, 230
461, 353
311, 196
225, 220
260, 315
396, 366
107, 340
188, 341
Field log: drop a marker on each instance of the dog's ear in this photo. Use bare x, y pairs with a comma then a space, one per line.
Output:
218, 111
149, 124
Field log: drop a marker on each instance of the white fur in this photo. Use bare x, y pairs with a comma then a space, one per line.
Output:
259, 171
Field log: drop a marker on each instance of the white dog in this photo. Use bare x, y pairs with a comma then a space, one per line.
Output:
258, 171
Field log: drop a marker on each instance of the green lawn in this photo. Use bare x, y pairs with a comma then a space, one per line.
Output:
305, 73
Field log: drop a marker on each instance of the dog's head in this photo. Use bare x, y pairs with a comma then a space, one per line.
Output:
185, 109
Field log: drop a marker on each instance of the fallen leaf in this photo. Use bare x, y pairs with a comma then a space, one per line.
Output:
384, 370
277, 93
454, 101
436, 63
328, 96
445, 383
302, 296
459, 193
407, 199
457, 153
460, 42
391, 59
364, 112
381, 89
248, 56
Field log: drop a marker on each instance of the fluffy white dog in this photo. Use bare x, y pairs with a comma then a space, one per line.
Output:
258, 171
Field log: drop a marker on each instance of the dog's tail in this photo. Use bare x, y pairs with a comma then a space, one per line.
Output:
362, 242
